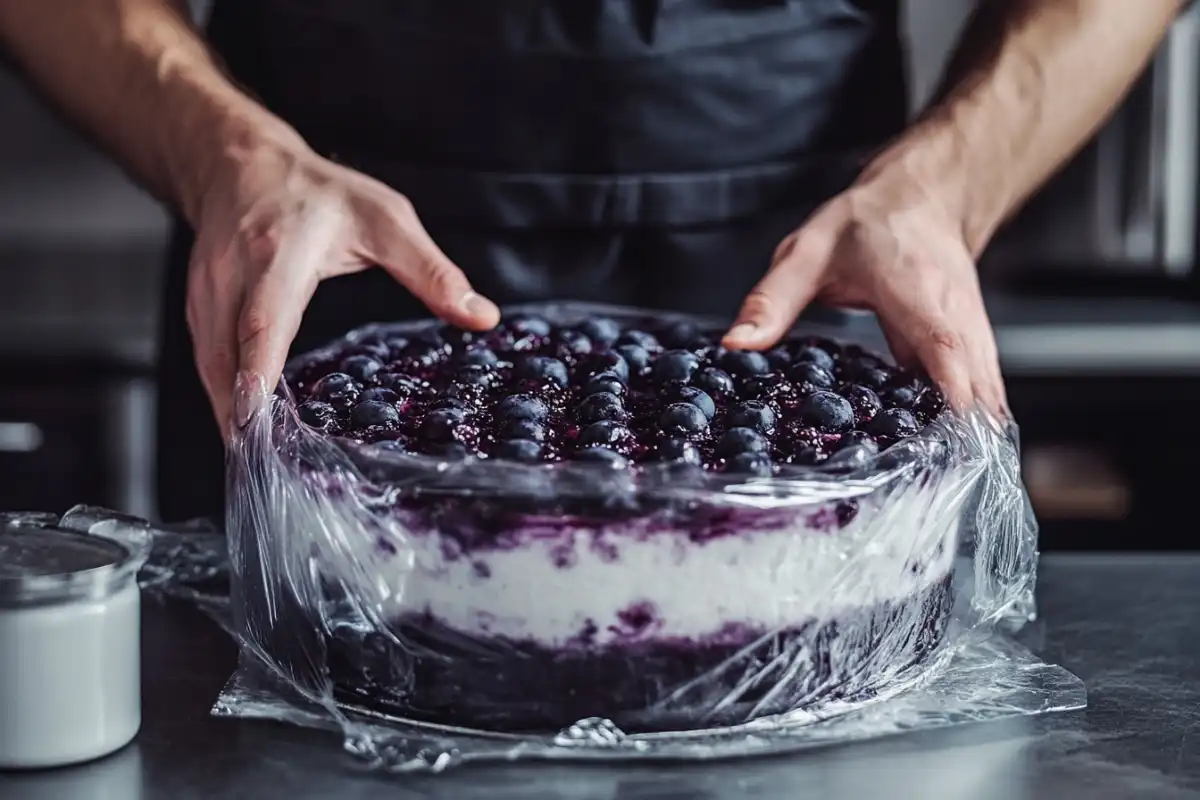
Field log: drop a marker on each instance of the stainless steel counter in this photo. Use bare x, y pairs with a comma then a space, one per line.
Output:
1126, 624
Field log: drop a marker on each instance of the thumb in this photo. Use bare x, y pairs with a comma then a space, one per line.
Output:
400, 244
791, 283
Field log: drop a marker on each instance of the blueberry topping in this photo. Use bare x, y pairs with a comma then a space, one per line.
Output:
892, 424
682, 336
402, 385
636, 338
601, 330
636, 357
521, 406
683, 419
476, 375
744, 363
529, 429
899, 397
717, 382
600, 406
741, 440
573, 342
527, 325
604, 382
381, 394
690, 394
338, 389
815, 355
811, 376
442, 424
375, 413
675, 366
864, 401
611, 363
317, 414
677, 451
752, 414
518, 450
779, 359
858, 439
602, 455
393, 445
603, 433
480, 357
756, 464
361, 368
828, 412
542, 369
448, 451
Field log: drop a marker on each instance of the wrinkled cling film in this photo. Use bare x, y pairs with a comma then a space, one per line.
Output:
836, 603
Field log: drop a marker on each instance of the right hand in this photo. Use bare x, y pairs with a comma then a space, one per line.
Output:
268, 230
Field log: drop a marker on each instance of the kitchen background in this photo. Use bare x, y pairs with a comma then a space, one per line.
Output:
1092, 291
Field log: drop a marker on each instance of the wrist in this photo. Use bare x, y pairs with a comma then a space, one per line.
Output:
935, 165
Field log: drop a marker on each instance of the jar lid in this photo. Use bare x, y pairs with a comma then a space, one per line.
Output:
43, 564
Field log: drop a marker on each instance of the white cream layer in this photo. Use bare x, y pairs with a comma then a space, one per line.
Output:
763, 578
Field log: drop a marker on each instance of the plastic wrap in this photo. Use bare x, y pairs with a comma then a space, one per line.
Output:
437, 610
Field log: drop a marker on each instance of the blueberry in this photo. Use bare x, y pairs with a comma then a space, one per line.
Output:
376, 350
448, 401
527, 325
381, 394
338, 389
361, 368
521, 406
401, 384
741, 440
636, 338
601, 330
874, 378
808, 374
683, 419
931, 403
827, 411
716, 382
779, 359
543, 369
529, 429
604, 382
756, 464
637, 358
317, 414
690, 394
427, 349
395, 346
752, 414
602, 455
900, 397
375, 414
675, 366
677, 451
603, 433
480, 357
805, 456
893, 423
811, 354
572, 342
442, 424
744, 363
518, 450
865, 402
393, 445
477, 375
682, 335
448, 451
600, 406
857, 439
598, 363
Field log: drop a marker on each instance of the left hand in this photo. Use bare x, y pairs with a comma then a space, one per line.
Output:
889, 247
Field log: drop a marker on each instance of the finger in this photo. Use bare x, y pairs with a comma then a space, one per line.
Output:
401, 245
788, 287
987, 379
936, 343
214, 345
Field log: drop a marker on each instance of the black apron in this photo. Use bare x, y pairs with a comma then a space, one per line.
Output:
643, 152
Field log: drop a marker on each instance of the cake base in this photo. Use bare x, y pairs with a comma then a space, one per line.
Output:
654, 685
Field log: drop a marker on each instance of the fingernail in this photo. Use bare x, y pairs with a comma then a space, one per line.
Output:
742, 331
477, 305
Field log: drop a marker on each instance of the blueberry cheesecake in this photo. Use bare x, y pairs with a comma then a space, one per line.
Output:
614, 529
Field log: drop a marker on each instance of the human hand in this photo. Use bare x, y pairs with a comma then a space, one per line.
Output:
273, 225
884, 246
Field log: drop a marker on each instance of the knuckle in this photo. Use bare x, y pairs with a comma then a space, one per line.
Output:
758, 304
944, 340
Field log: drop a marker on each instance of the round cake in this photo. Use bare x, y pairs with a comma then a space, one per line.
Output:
618, 518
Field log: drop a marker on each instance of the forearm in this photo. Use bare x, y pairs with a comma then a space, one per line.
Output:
138, 77
1030, 82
